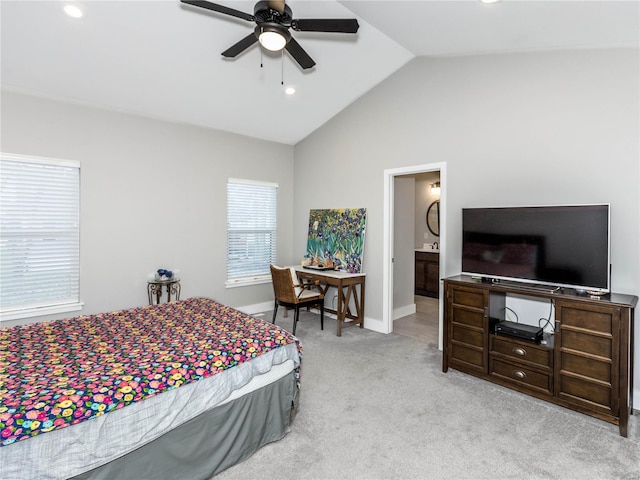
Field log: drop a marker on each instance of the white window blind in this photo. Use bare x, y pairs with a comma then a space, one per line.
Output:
251, 230
39, 235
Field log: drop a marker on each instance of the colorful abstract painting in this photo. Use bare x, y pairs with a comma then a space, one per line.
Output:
336, 238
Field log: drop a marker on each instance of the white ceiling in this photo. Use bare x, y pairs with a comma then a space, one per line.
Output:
161, 58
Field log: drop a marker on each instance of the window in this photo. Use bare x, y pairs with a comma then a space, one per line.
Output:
39, 236
251, 231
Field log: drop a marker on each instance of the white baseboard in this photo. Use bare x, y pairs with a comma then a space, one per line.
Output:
374, 325
256, 308
404, 311
369, 323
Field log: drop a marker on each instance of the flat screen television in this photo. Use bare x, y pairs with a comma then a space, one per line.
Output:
562, 246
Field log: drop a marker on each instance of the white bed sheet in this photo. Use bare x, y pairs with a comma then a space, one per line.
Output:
63, 453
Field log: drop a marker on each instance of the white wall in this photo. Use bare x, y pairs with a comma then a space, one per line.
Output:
514, 129
153, 194
404, 192
424, 198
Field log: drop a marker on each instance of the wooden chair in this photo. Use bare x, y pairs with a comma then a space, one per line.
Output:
290, 293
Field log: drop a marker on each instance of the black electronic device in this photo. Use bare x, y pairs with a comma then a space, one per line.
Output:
519, 330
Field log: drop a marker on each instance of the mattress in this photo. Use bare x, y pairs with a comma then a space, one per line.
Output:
65, 452
210, 442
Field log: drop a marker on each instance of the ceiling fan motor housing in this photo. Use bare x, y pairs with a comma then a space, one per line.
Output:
265, 14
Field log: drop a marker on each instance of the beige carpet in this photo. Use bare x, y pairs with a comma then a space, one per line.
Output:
376, 406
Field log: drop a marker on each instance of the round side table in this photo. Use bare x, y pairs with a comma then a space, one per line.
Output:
154, 290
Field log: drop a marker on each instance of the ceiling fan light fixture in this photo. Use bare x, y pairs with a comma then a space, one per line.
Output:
272, 41
273, 37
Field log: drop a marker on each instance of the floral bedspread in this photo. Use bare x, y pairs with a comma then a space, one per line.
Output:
56, 374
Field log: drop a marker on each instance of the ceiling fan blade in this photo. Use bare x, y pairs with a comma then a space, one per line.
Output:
299, 55
341, 25
220, 9
241, 46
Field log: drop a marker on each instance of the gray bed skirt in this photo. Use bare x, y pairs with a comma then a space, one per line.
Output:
210, 442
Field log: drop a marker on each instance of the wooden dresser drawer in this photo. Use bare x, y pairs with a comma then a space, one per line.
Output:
469, 336
521, 376
465, 357
527, 353
468, 298
465, 316
587, 342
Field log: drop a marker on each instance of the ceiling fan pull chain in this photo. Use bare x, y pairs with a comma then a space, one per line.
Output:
261, 58
282, 69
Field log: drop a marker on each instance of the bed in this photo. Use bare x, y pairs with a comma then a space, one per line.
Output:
184, 389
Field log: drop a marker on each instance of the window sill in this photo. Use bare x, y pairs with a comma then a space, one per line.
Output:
245, 282
40, 311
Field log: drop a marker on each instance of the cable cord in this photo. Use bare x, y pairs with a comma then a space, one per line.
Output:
512, 311
547, 321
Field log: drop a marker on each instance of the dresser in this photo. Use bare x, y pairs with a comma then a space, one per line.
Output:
585, 364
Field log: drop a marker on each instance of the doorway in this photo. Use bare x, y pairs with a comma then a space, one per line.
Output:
389, 241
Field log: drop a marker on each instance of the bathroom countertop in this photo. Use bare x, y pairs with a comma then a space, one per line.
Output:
428, 250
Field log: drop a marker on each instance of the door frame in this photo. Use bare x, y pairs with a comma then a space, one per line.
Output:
387, 248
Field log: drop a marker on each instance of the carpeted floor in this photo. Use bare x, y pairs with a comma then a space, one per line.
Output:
377, 406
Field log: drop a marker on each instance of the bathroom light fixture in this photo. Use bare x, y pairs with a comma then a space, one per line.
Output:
73, 11
435, 188
273, 37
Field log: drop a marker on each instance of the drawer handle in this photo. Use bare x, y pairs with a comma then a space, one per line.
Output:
519, 374
519, 351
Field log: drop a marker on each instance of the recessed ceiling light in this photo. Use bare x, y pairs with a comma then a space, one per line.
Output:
289, 90
73, 11
489, 1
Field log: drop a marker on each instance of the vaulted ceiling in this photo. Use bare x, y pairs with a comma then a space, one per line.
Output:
161, 58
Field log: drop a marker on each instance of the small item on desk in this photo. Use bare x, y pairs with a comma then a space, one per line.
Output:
314, 264
317, 267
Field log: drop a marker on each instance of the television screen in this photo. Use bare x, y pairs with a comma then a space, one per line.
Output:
564, 246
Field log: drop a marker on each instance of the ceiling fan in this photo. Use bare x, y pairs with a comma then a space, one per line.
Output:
273, 20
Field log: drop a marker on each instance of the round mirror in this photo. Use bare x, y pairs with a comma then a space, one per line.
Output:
433, 218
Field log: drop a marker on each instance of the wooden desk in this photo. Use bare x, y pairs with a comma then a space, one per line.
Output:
347, 286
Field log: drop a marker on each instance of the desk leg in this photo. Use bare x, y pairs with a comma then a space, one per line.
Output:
340, 311
359, 305
358, 302
343, 309
361, 309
